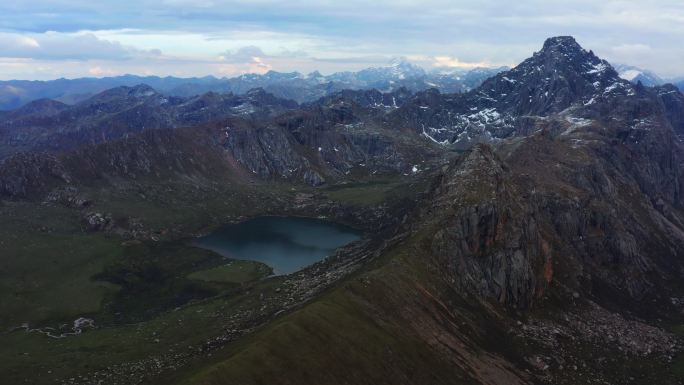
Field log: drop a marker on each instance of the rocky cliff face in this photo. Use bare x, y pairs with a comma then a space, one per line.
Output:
598, 204
328, 140
488, 240
673, 104
26, 174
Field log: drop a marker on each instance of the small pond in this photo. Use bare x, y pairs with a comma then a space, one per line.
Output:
287, 244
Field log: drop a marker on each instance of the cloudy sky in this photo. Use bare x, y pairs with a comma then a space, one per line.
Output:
46, 39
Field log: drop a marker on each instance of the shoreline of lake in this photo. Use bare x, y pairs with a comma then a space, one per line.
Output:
285, 243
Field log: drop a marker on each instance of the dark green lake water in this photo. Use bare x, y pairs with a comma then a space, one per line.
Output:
287, 244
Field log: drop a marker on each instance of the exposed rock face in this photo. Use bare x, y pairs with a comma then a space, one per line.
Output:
488, 241
68, 196
265, 151
313, 178
328, 139
28, 173
368, 98
96, 222
673, 104
559, 75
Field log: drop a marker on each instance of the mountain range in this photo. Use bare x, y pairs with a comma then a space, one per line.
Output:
293, 85
525, 229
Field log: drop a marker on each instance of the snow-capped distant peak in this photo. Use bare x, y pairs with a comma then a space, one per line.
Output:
403, 69
630, 74
635, 75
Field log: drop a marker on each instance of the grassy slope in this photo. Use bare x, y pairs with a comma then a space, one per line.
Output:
47, 264
321, 344
41, 360
381, 326
233, 272
339, 338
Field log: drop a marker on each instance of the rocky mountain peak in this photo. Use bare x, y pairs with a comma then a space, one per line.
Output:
139, 92
564, 55
560, 74
142, 90
564, 51
315, 75
40, 107
257, 92
562, 44
260, 96
275, 75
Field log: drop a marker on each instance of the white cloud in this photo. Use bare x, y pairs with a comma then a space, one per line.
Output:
631, 49
28, 42
454, 62
243, 55
67, 46
98, 71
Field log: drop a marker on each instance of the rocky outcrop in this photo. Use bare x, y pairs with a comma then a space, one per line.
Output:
487, 241
265, 151
673, 104
27, 174
94, 222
